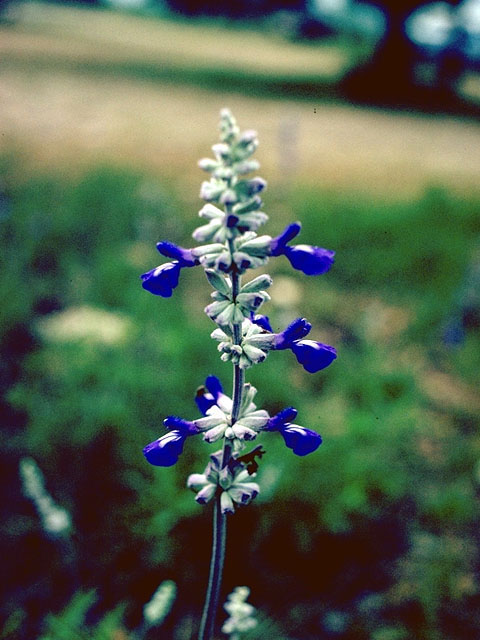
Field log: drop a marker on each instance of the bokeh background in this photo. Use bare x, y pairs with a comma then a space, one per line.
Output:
369, 134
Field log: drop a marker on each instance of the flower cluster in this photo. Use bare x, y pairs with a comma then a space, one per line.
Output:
232, 481
229, 247
258, 338
241, 613
217, 423
233, 244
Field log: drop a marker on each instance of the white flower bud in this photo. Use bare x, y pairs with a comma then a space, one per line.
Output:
218, 282
227, 315
207, 231
248, 136
214, 309
243, 432
207, 164
196, 481
246, 166
212, 435
226, 503
221, 151
224, 173
257, 284
257, 246
206, 493
212, 189
254, 354
255, 420
210, 211
204, 249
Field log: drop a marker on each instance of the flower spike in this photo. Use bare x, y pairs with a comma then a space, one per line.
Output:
229, 246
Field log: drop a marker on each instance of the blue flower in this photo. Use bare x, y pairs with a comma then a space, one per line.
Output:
165, 451
208, 395
162, 280
297, 330
312, 261
313, 356
302, 441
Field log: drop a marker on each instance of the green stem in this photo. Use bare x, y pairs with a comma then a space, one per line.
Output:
216, 570
207, 623
238, 373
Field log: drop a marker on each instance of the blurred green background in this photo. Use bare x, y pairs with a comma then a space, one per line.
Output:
375, 536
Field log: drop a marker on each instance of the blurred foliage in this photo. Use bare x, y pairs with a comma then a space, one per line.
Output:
72, 621
375, 536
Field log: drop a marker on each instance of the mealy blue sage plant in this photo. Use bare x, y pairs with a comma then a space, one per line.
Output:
230, 247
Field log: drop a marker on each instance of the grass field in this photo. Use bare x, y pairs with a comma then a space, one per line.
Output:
79, 86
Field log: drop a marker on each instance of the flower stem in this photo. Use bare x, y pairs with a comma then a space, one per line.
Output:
220, 519
238, 382
216, 570
238, 373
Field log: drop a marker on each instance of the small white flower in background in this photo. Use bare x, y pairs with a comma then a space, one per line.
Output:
155, 611
55, 520
241, 613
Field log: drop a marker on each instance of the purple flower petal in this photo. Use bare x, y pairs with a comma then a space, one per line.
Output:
162, 280
262, 321
278, 244
297, 330
214, 385
231, 220
185, 427
207, 396
164, 452
277, 422
302, 441
313, 261
170, 250
313, 356
204, 400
